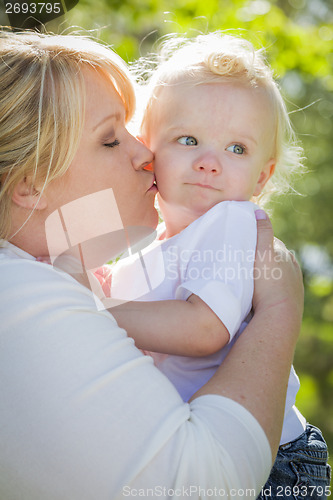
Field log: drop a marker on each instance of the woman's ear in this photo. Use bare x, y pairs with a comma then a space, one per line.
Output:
264, 176
26, 195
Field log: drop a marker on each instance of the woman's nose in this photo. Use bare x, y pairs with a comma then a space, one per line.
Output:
208, 163
141, 155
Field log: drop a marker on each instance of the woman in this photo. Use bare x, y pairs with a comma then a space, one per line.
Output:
83, 413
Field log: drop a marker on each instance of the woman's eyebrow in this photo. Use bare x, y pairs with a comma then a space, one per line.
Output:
115, 116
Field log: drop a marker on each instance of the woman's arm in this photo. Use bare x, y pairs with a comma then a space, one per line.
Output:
186, 328
256, 371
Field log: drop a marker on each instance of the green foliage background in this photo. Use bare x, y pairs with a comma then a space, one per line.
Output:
298, 36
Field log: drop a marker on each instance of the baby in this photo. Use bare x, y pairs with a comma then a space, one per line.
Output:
219, 130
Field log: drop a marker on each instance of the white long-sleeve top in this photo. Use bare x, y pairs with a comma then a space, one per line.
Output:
85, 416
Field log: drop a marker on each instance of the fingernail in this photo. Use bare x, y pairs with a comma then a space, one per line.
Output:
261, 214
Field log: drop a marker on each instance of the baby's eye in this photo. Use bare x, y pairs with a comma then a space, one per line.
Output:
237, 149
187, 140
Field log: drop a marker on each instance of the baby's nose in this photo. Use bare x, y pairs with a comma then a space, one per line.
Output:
208, 163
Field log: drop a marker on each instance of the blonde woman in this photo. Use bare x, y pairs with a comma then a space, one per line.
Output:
83, 414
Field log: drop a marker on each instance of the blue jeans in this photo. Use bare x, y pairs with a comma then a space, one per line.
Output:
300, 470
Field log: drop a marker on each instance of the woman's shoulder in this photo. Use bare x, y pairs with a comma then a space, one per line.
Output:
35, 296
16, 271
27, 283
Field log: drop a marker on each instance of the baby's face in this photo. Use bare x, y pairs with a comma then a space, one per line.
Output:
212, 143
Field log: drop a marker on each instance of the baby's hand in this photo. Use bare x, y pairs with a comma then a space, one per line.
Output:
104, 276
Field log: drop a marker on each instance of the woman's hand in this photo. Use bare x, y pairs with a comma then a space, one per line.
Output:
278, 279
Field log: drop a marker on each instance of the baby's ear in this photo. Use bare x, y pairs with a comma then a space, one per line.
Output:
26, 195
264, 176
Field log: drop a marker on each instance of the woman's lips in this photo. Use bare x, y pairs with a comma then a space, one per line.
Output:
153, 187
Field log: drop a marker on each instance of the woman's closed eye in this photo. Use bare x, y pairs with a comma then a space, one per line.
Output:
112, 144
238, 149
188, 140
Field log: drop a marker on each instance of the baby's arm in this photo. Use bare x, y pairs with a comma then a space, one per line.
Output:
185, 328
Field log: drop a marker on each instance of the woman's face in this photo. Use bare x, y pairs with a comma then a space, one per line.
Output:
108, 156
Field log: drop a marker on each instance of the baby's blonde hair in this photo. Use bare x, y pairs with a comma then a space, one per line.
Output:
221, 58
42, 105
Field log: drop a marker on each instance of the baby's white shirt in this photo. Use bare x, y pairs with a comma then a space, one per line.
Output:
212, 258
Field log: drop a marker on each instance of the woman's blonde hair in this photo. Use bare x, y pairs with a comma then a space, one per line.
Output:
42, 98
221, 58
